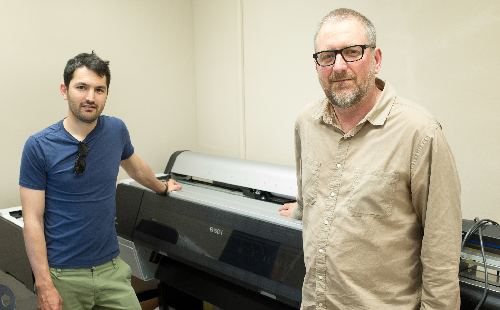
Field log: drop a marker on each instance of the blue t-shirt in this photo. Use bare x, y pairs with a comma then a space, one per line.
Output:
79, 208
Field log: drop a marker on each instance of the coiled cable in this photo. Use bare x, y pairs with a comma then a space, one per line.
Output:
478, 226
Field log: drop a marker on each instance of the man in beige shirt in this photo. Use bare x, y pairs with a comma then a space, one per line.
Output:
378, 190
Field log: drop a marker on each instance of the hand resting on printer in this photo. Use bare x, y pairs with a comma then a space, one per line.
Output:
172, 185
286, 209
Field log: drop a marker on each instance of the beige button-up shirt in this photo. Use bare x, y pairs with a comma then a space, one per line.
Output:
380, 207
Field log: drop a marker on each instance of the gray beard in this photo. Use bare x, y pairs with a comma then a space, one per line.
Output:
347, 100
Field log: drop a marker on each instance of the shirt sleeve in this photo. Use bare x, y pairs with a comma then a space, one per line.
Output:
297, 211
32, 172
128, 148
435, 190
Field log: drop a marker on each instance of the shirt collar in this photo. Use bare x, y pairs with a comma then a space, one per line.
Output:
376, 116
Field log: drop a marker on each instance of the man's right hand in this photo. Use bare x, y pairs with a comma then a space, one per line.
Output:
49, 298
286, 209
33, 202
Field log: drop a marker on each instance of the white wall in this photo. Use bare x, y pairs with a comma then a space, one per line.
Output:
440, 54
150, 48
228, 77
219, 93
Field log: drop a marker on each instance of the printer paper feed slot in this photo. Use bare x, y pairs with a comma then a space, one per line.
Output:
235, 190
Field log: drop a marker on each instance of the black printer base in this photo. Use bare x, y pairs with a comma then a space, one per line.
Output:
470, 296
199, 285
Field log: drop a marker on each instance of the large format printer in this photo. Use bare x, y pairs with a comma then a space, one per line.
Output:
221, 238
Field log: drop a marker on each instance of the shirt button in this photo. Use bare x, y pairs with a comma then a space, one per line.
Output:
320, 304
321, 250
339, 165
321, 277
332, 194
326, 222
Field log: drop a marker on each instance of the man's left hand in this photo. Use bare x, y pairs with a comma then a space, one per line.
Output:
173, 185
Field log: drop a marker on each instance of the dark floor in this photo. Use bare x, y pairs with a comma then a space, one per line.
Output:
24, 298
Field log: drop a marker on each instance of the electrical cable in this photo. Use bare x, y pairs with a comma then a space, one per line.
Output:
478, 226
485, 292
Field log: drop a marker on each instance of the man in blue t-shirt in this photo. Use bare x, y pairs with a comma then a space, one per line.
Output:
68, 186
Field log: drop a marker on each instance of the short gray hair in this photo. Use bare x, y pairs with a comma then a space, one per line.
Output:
343, 14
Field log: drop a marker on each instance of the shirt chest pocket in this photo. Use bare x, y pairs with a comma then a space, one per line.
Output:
310, 175
372, 193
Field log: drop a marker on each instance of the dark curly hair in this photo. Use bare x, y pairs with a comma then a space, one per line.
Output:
92, 62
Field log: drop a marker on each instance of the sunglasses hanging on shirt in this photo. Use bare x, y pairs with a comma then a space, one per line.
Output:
80, 163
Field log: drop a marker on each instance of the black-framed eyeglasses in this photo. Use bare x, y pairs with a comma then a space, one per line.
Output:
350, 54
80, 163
